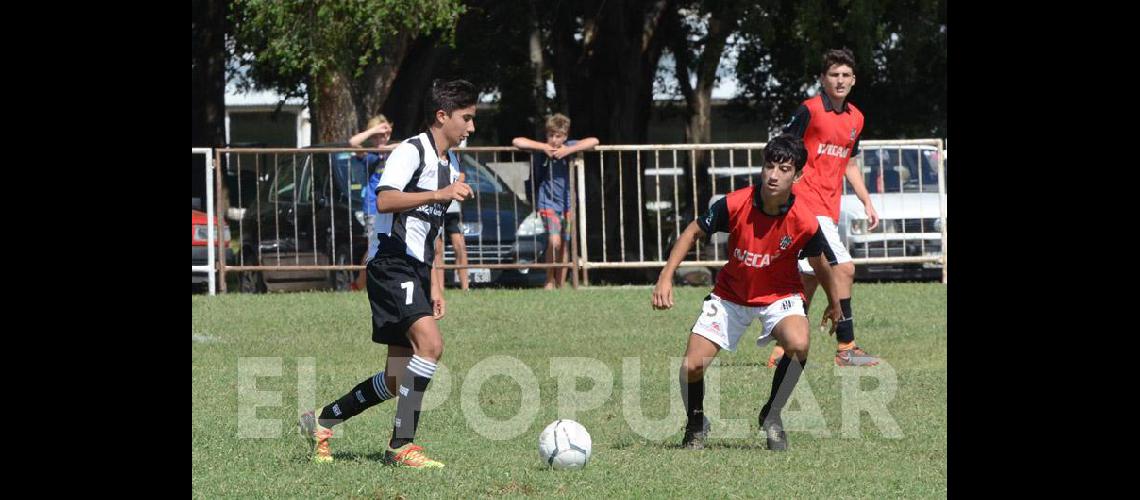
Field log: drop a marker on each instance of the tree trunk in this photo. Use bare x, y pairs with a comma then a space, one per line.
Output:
698, 99
608, 79
405, 102
538, 66
698, 130
208, 94
333, 111
373, 89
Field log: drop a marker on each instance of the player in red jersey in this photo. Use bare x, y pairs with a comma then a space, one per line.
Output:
831, 127
768, 230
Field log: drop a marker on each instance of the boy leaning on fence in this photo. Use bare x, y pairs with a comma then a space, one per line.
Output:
549, 188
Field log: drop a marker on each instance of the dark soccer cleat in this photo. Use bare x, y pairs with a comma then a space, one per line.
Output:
695, 438
774, 430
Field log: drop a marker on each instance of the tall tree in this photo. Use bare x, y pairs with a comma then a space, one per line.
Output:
604, 59
343, 56
697, 34
491, 50
208, 26
900, 53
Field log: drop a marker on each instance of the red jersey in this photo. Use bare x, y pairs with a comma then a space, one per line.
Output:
831, 137
762, 248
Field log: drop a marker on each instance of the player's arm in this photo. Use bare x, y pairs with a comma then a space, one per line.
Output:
663, 292
854, 175
798, 125
390, 195
813, 250
392, 200
436, 263
438, 305
716, 220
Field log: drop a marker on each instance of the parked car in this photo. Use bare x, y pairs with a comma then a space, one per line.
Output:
492, 232
301, 207
903, 185
199, 247
308, 213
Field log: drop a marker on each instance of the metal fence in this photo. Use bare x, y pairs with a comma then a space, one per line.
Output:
661, 188
298, 216
208, 267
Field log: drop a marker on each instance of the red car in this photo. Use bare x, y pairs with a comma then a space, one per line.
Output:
198, 240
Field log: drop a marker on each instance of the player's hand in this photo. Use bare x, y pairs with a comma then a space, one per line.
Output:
833, 313
550, 151
663, 295
438, 306
872, 216
560, 153
458, 190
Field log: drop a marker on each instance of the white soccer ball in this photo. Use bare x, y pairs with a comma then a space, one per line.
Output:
565, 444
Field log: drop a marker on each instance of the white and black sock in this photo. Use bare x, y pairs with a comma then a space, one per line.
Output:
371, 392
412, 386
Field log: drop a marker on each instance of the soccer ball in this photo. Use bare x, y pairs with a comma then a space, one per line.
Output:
564, 444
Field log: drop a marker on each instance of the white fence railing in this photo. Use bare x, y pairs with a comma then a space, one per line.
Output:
211, 244
675, 183
298, 217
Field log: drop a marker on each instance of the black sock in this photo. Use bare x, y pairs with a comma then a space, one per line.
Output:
845, 331
693, 394
415, 382
788, 372
369, 393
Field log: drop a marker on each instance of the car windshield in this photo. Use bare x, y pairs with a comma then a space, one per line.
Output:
285, 173
899, 170
478, 177
351, 176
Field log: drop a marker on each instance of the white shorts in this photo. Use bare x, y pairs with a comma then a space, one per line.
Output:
724, 322
835, 251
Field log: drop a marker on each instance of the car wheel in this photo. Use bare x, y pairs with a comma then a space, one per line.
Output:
342, 280
690, 276
251, 282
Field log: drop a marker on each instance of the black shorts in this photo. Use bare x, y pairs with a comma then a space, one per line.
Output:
451, 224
399, 292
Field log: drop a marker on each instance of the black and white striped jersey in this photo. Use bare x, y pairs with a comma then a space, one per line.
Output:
414, 167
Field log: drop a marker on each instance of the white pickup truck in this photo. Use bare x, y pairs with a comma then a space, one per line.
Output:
903, 184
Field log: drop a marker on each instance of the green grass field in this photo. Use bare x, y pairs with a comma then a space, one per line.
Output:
330, 333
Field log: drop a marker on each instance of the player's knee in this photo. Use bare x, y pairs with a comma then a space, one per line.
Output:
694, 369
432, 350
797, 347
846, 270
